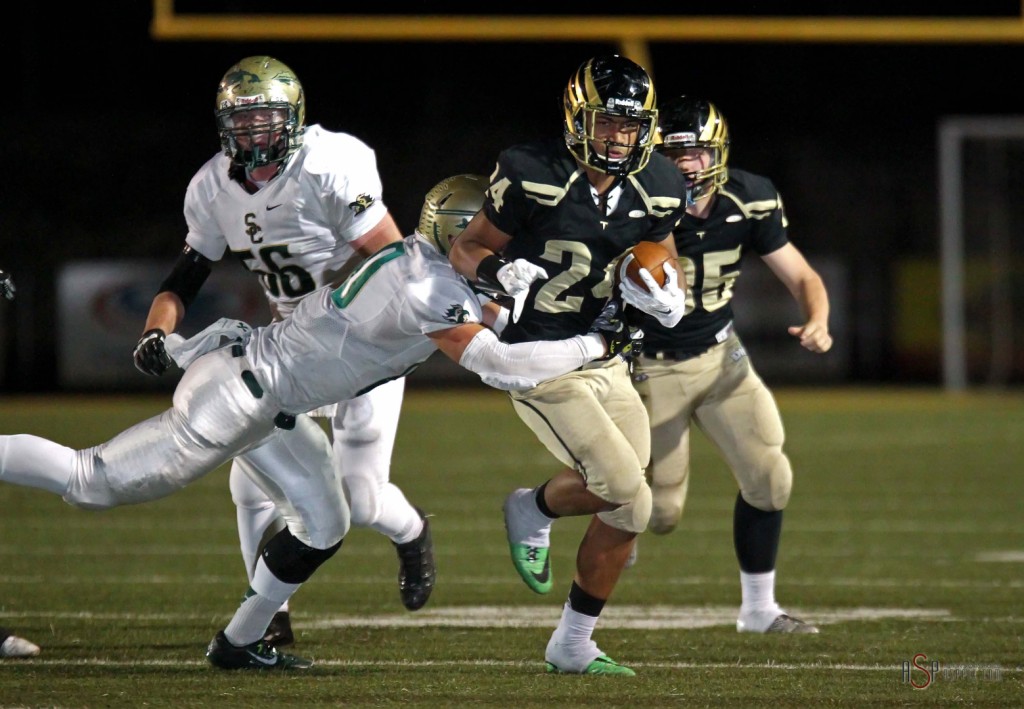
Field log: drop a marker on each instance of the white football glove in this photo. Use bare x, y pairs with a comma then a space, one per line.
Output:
517, 276
667, 304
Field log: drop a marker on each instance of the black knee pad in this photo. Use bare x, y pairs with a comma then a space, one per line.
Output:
292, 561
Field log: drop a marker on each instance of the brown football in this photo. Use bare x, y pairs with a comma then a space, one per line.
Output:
649, 255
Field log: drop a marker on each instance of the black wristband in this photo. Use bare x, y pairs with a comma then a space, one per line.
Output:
487, 272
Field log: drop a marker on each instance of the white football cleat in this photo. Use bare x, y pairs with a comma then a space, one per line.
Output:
772, 621
14, 646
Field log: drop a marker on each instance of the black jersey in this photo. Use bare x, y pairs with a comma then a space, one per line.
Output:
747, 215
541, 197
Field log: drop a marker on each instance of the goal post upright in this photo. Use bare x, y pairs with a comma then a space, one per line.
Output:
953, 133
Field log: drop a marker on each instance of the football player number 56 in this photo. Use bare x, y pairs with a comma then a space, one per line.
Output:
277, 277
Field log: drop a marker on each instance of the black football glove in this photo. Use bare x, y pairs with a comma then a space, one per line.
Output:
620, 339
6, 285
150, 356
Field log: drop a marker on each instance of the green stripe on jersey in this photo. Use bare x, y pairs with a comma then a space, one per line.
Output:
348, 290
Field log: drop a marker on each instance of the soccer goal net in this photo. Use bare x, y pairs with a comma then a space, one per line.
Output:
981, 222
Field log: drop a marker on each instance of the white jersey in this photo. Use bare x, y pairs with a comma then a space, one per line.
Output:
341, 342
295, 233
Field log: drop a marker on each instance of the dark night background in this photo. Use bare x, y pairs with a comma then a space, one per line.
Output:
104, 127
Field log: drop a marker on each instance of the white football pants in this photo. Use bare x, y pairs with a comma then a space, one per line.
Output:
214, 417
363, 431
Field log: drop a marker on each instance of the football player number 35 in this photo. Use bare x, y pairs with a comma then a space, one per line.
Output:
712, 277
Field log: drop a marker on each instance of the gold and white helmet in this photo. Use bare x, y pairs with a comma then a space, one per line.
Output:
261, 112
448, 207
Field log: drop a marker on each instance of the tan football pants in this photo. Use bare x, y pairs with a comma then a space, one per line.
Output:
593, 421
723, 394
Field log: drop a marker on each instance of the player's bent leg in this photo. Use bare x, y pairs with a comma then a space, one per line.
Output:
258, 520
364, 435
635, 515
285, 564
294, 468
670, 392
765, 478
364, 430
669, 482
600, 561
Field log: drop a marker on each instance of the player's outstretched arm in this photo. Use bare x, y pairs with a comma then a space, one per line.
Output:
518, 366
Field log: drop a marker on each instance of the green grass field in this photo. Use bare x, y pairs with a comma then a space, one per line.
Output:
904, 536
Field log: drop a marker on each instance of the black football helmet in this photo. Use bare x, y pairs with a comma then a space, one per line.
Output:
264, 84
615, 86
687, 122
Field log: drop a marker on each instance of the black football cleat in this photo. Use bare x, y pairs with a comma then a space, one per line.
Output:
279, 632
257, 656
416, 572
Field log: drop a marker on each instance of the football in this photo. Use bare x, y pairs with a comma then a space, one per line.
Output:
649, 255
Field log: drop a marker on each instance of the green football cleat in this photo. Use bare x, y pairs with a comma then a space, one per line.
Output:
533, 565
602, 665
528, 533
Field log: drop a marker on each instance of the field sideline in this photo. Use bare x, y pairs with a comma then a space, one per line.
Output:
903, 539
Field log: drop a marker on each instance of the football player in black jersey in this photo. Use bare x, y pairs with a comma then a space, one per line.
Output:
557, 215
698, 371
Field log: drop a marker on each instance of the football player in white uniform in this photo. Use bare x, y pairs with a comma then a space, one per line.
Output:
301, 207
248, 394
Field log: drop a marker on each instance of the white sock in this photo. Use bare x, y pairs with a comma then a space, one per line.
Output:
536, 520
758, 591
574, 628
269, 586
252, 618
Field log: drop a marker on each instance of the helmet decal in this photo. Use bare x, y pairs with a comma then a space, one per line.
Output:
260, 112
448, 208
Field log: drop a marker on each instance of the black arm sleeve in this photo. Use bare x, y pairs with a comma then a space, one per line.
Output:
188, 275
